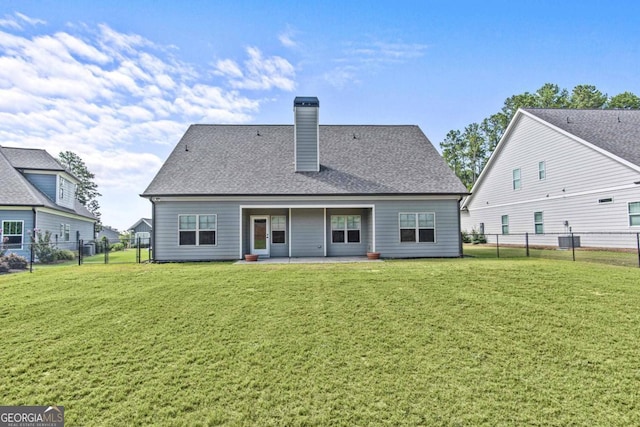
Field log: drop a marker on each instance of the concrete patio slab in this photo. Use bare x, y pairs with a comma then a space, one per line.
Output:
310, 260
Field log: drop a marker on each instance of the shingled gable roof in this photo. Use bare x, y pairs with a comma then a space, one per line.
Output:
18, 191
259, 160
615, 131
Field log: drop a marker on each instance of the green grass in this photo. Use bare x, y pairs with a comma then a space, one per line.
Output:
440, 342
628, 259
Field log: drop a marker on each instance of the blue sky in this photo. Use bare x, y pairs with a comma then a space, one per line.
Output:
119, 82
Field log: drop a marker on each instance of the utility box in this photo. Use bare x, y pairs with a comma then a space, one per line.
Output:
564, 242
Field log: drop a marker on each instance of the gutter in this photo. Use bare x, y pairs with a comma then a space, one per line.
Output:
153, 230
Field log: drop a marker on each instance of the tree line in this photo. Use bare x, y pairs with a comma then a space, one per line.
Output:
468, 151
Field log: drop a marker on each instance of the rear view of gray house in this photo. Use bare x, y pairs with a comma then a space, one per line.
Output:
304, 190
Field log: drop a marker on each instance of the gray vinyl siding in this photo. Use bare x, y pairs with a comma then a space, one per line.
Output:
350, 249
143, 227
306, 139
576, 177
78, 228
69, 193
45, 183
166, 247
19, 215
307, 232
447, 230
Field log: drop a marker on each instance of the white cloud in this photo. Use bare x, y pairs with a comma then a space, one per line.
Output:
259, 73
117, 100
359, 58
15, 22
287, 38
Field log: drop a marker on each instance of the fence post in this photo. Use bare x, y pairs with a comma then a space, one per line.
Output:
498, 245
138, 254
31, 253
526, 240
573, 248
80, 252
105, 243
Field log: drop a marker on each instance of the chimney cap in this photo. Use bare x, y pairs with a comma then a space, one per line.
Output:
306, 101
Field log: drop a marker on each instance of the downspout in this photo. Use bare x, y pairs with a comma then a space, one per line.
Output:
153, 230
459, 230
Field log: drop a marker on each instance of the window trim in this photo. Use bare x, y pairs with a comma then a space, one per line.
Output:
541, 223
417, 228
284, 228
346, 230
65, 232
505, 224
3, 235
514, 179
197, 230
629, 214
542, 171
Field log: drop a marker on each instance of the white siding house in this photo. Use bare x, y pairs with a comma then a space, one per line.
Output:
557, 171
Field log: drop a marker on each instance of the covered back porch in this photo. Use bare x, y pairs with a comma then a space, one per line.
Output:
272, 231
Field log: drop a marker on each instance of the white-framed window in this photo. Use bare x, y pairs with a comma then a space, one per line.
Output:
505, 224
345, 228
542, 170
417, 227
65, 232
13, 231
538, 222
61, 190
634, 214
278, 229
516, 179
197, 230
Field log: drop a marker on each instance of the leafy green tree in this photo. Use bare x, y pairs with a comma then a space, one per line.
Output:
87, 191
551, 96
587, 96
625, 100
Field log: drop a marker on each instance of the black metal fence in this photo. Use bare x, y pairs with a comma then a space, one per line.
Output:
114, 252
610, 248
81, 252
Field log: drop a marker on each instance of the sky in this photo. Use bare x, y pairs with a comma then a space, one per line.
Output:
118, 83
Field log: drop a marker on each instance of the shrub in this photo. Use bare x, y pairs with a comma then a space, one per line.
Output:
15, 262
65, 255
3, 246
466, 238
477, 237
117, 247
42, 247
4, 267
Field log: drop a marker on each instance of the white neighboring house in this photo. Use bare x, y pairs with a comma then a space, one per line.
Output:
560, 170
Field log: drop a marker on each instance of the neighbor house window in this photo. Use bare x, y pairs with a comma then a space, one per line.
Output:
542, 170
516, 179
278, 229
634, 214
65, 232
345, 228
505, 224
196, 230
13, 232
538, 222
418, 227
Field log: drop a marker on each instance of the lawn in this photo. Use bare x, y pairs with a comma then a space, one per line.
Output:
437, 342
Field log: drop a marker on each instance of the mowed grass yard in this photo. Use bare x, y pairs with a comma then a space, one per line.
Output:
430, 342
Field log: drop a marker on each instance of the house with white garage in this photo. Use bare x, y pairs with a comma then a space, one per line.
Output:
37, 192
560, 171
304, 190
